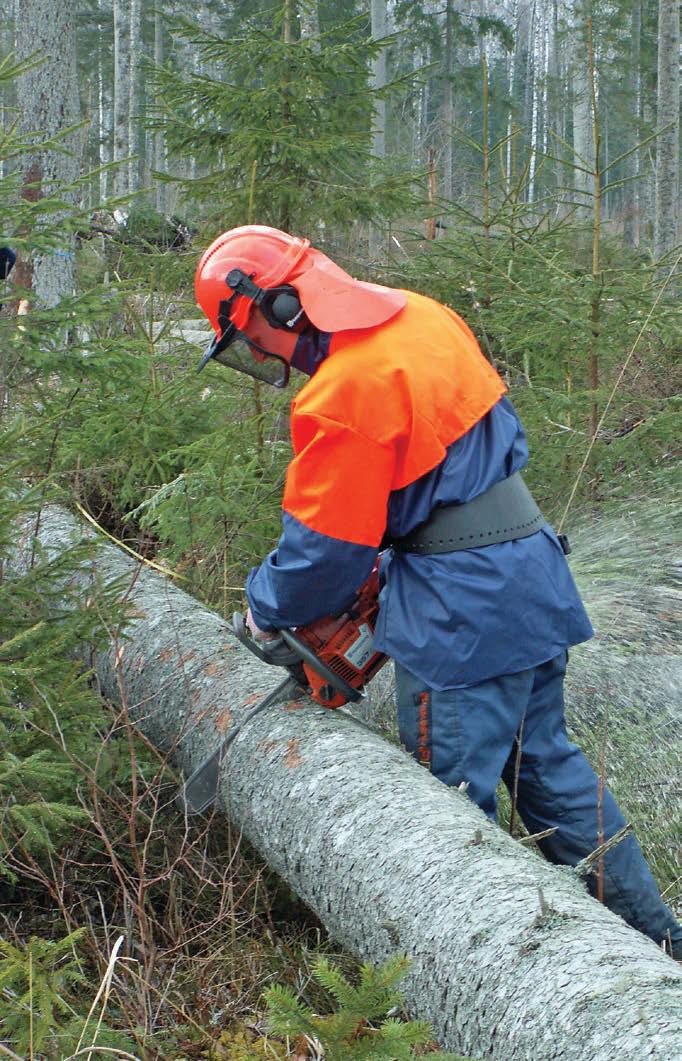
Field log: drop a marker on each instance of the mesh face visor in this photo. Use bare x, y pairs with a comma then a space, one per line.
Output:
234, 350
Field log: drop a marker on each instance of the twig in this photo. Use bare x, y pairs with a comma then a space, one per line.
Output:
600, 808
584, 867
538, 836
517, 771
6, 1052
122, 545
103, 989
103, 1050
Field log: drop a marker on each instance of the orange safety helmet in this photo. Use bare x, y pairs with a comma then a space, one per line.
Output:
264, 254
257, 265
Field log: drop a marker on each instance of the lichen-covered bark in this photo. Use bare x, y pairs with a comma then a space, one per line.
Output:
121, 10
510, 957
47, 92
666, 216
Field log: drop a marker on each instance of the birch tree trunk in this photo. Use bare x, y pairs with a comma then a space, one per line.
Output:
378, 79
666, 213
448, 102
309, 21
159, 151
511, 81
632, 203
511, 959
121, 93
47, 97
647, 176
104, 106
533, 105
557, 96
7, 42
135, 133
379, 29
523, 58
583, 131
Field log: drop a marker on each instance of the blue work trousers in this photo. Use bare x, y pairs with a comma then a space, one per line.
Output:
470, 735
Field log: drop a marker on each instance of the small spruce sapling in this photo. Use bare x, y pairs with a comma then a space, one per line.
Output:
364, 1024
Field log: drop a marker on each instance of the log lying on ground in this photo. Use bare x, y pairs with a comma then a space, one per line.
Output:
511, 959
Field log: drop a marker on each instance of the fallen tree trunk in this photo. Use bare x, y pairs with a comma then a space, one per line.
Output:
511, 959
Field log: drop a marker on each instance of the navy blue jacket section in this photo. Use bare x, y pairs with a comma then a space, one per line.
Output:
306, 577
455, 619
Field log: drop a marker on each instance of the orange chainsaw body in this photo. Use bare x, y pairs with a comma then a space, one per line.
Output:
345, 644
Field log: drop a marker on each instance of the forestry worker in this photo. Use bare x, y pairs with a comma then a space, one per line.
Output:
404, 422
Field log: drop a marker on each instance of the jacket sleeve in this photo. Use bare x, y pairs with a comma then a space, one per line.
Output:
335, 506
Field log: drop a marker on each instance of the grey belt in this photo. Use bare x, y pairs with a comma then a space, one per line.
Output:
504, 512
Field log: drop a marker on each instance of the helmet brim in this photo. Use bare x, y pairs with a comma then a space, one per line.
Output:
334, 301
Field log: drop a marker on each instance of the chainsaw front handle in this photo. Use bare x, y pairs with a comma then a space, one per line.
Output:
274, 651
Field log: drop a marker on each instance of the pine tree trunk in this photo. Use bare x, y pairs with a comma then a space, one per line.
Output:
511, 959
47, 97
666, 213
121, 93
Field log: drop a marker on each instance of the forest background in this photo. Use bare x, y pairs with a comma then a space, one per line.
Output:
518, 160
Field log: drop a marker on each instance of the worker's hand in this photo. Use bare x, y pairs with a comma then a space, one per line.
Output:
256, 632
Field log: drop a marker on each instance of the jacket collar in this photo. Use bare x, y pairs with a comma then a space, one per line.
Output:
311, 350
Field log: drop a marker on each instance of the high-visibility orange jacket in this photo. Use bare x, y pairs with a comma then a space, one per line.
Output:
379, 413
396, 420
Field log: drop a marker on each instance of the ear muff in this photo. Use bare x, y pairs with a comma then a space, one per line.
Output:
280, 306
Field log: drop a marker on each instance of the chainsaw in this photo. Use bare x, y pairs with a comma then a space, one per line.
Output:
331, 660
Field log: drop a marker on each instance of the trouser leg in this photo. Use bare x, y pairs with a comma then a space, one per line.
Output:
558, 787
463, 735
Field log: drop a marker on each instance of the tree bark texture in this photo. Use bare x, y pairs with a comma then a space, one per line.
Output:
631, 192
448, 101
510, 957
666, 214
583, 118
309, 21
378, 77
121, 93
105, 102
136, 139
48, 103
159, 149
379, 27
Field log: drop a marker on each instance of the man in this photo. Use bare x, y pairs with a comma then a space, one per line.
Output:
402, 424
